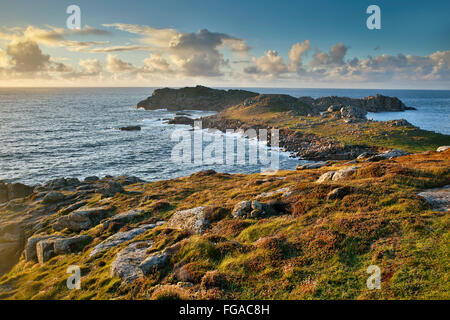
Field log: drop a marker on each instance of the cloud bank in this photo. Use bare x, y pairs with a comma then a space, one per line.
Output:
170, 55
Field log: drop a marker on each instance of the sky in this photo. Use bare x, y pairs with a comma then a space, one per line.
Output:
311, 44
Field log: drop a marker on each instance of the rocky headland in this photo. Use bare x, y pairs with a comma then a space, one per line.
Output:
326, 128
194, 98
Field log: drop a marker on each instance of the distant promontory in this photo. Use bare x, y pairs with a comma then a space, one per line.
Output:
194, 98
208, 99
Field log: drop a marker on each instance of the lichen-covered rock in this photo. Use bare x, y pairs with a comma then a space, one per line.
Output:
126, 265
327, 176
386, 155
53, 246
154, 262
110, 189
52, 197
122, 218
119, 238
242, 209
337, 193
82, 219
313, 165
285, 192
438, 198
192, 220
30, 248
18, 190
442, 148
350, 112
253, 209
344, 173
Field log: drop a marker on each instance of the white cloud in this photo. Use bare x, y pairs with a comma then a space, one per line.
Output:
270, 63
115, 65
298, 50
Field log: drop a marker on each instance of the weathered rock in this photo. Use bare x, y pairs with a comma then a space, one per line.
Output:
442, 148
126, 265
338, 193
53, 197
126, 180
386, 155
242, 209
399, 123
350, 112
30, 248
122, 218
191, 220
50, 247
18, 190
110, 189
91, 179
130, 128
344, 173
82, 219
61, 183
438, 198
252, 209
327, 176
153, 262
285, 192
313, 165
119, 238
182, 120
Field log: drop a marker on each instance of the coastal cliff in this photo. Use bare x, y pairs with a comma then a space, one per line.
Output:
208, 99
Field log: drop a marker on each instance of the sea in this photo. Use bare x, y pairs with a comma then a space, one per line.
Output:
47, 133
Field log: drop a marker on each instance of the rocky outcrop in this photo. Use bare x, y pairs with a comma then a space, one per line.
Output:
194, 98
120, 219
313, 165
119, 238
82, 219
438, 198
253, 209
130, 128
442, 148
52, 197
192, 220
154, 261
41, 248
378, 103
305, 146
338, 175
285, 192
126, 265
182, 120
386, 155
13, 191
